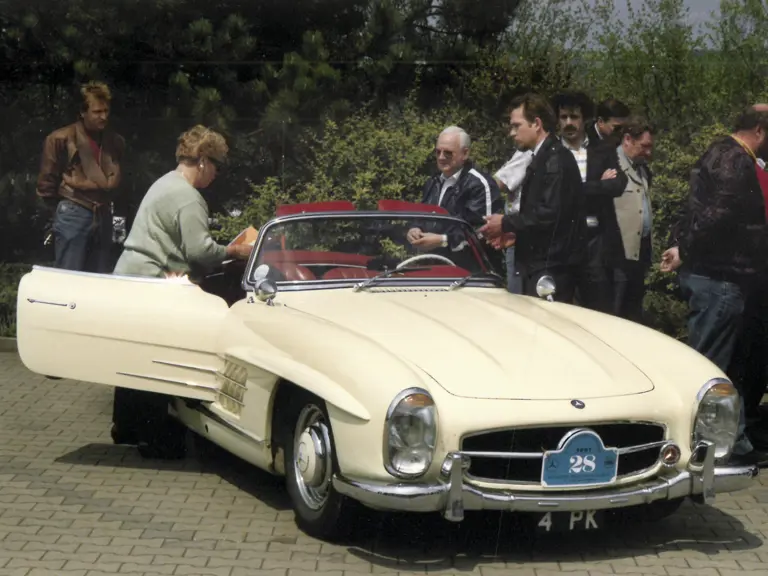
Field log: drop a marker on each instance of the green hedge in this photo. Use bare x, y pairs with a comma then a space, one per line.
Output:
10, 275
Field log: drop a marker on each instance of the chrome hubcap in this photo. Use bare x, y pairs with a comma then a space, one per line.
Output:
312, 457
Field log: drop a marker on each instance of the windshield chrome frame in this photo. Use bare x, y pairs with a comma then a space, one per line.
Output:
321, 284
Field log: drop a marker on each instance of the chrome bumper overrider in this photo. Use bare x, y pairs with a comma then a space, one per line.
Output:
452, 496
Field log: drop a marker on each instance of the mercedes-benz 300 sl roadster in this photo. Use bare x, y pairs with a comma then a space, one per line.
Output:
369, 370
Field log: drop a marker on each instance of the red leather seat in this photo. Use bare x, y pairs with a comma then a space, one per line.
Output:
294, 272
343, 273
403, 206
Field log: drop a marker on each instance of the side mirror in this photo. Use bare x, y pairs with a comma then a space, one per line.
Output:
265, 289
545, 288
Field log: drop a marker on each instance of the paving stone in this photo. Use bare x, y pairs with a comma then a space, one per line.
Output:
74, 504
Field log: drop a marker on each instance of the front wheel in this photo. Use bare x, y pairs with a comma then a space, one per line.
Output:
311, 461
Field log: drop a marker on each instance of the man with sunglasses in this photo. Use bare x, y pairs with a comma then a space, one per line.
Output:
460, 188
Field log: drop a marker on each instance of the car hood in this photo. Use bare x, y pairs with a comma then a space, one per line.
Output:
483, 343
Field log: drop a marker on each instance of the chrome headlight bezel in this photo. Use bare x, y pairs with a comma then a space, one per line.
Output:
717, 392
427, 413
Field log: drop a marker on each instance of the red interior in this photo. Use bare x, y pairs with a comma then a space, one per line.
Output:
403, 206
330, 206
342, 273
294, 272
434, 272
309, 257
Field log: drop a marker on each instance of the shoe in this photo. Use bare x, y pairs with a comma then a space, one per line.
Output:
758, 437
121, 437
755, 458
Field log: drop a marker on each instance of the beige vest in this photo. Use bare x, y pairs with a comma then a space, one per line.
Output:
629, 209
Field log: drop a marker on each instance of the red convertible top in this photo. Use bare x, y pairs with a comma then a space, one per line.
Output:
347, 206
331, 206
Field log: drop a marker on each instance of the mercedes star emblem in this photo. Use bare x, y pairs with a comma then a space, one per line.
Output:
577, 404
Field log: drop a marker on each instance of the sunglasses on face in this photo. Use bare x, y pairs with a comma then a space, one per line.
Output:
447, 153
216, 164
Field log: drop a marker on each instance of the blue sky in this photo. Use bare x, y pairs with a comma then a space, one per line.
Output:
699, 10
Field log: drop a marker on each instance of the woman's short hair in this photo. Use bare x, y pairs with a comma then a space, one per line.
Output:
199, 142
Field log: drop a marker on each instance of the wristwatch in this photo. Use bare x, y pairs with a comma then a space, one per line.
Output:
444, 243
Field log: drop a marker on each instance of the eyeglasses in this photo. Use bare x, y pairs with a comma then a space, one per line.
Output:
216, 163
447, 153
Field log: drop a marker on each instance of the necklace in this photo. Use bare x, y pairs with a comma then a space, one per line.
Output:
747, 148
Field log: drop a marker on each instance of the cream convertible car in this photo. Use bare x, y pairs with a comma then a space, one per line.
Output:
365, 371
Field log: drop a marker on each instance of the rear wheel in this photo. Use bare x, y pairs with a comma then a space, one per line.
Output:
310, 464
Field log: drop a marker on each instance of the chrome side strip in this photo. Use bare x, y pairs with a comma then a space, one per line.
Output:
206, 369
168, 381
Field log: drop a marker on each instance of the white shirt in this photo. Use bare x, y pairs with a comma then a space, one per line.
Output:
447, 183
580, 154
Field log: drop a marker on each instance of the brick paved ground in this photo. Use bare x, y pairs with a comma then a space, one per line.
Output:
73, 504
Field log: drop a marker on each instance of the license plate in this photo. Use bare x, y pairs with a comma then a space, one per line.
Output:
577, 521
581, 459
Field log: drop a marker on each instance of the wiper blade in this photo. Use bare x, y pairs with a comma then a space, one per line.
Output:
385, 274
475, 275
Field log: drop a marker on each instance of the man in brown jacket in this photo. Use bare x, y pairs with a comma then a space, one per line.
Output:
79, 174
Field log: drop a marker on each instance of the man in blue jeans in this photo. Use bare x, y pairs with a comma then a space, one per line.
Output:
79, 173
722, 242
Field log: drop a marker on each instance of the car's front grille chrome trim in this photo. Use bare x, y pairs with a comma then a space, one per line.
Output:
642, 464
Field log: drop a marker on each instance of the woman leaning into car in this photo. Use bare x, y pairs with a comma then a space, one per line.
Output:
170, 237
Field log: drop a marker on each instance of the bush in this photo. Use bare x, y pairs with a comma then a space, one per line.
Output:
368, 158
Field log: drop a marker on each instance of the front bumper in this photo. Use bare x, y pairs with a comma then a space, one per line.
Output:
452, 496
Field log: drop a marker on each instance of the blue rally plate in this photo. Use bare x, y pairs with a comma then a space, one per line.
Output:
581, 459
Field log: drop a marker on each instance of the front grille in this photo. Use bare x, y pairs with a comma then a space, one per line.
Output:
534, 441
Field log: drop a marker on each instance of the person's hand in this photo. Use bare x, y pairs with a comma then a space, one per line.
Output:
670, 260
492, 227
413, 235
239, 251
503, 241
428, 240
608, 174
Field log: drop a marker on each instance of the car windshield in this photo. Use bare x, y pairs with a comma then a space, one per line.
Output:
346, 249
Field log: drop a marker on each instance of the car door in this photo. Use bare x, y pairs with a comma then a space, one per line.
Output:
143, 333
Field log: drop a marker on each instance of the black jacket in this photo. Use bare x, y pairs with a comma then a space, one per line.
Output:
549, 225
604, 244
722, 233
474, 196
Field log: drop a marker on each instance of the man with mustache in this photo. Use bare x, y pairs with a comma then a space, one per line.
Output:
79, 173
602, 182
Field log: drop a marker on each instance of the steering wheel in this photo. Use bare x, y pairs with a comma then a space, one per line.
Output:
420, 257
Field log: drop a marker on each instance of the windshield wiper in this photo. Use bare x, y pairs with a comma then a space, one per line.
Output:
462, 281
385, 274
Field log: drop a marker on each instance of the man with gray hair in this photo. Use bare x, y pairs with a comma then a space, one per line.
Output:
460, 188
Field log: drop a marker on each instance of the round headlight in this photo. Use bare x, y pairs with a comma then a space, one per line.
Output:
717, 416
410, 434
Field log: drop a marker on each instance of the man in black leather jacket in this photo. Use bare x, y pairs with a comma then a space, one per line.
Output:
548, 229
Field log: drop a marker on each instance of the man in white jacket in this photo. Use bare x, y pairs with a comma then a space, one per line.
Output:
510, 180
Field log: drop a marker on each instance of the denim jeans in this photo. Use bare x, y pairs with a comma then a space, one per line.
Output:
82, 239
514, 282
715, 320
